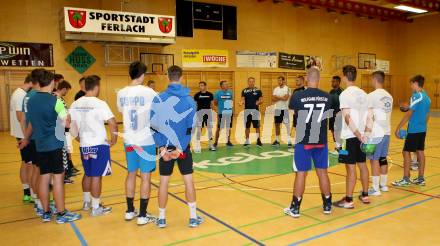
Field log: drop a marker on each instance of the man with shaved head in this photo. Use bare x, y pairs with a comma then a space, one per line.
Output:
312, 107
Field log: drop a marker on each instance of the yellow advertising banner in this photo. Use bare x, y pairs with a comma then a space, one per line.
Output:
205, 58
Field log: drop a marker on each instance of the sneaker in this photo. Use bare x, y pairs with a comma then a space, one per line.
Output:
195, 222
293, 212
35, 207
414, 165
384, 188
131, 215
344, 204
246, 145
229, 144
259, 144
145, 220
161, 223
39, 212
373, 192
53, 208
46, 217
67, 217
212, 148
364, 199
276, 144
27, 199
327, 208
419, 181
290, 146
87, 206
101, 210
197, 149
402, 182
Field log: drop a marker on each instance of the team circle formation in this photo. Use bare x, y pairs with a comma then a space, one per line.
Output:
159, 127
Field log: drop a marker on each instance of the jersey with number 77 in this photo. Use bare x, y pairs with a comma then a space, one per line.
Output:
312, 106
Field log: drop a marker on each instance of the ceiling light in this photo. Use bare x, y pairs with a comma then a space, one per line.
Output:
410, 9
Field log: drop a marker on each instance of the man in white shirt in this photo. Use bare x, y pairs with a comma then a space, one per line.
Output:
280, 97
15, 117
354, 107
380, 104
88, 115
134, 102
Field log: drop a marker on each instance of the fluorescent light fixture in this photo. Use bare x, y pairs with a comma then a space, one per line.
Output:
411, 9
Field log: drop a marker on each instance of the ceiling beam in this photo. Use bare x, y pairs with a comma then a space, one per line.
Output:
429, 5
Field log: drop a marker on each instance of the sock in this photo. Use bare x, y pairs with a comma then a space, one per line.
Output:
86, 196
375, 180
383, 180
277, 138
130, 207
26, 190
295, 201
38, 202
192, 210
247, 140
198, 133
95, 202
143, 203
349, 199
161, 213
33, 195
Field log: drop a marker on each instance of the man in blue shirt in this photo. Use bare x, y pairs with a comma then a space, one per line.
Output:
224, 99
43, 113
417, 118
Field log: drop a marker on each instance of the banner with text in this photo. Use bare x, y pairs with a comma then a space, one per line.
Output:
205, 58
383, 65
26, 54
291, 61
256, 59
116, 22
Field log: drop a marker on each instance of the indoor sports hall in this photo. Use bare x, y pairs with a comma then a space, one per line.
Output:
243, 191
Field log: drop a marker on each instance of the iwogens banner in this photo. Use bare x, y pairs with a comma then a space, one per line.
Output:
205, 58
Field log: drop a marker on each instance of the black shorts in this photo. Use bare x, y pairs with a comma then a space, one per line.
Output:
204, 118
281, 115
51, 162
383, 161
355, 154
414, 142
252, 116
185, 165
29, 153
224, 121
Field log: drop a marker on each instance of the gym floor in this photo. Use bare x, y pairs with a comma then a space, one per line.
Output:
239, 209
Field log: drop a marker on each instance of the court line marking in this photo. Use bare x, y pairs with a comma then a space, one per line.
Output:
78, 234
205, 213
360, 222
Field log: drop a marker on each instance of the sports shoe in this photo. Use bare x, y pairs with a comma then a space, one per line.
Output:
373, 192
195, 222
46, 217
131, 215
27, 199
290, 146
402, 182
39, 212
414, 165
161, 223
276, 144
344, 204
326, 204
419, 181
246, 145
87, 206
212, 148
259, 144
229, 144
145, 220
364, 199
384, 188
293, 212
101, 210
67, 217
53, 208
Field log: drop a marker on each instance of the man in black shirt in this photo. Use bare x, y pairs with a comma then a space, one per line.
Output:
334, 99
251, 97
300, 86
82, 92
204, 100
312, 106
